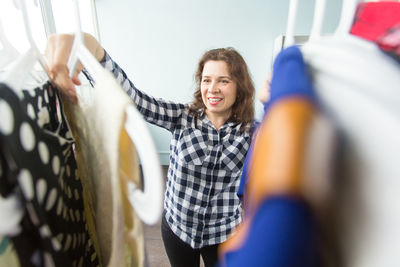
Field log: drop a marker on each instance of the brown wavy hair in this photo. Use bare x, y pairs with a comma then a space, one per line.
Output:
242, 109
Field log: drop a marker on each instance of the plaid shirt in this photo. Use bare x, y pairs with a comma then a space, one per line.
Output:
201, 205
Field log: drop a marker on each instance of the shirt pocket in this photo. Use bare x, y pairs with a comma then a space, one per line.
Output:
192, 147
234, 151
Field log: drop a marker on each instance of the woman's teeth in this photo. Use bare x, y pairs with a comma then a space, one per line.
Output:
214, 100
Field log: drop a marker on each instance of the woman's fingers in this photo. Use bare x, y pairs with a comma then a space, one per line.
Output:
264, 92
75, 76
64, 83
57, 54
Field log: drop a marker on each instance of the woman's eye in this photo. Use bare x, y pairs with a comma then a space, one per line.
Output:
225, 81
206, 81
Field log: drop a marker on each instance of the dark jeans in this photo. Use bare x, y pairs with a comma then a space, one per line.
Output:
181, 254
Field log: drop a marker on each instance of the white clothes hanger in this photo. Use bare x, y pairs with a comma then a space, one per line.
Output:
23, 66
340, 37
343, 29
319, 12
80, 52
346, 17
338, 46
9, 53
289, 36
147, 203
32, 43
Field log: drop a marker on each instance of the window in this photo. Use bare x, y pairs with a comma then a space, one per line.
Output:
13, 25
56, 15
64, 16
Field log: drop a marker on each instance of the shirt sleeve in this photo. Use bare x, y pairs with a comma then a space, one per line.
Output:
157, 111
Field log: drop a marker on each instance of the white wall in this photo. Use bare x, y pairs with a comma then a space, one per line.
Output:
159, 42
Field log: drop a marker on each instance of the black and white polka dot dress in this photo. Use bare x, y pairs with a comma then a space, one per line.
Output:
37, 163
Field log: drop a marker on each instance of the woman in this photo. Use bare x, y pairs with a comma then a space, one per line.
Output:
210, 139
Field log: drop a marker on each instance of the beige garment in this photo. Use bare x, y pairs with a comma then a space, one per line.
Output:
106, 160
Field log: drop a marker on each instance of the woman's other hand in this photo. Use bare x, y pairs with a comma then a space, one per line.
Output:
264, 92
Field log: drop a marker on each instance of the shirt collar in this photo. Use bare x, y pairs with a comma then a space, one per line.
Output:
228, 124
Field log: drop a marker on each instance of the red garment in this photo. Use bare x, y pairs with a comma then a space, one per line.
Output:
379, 22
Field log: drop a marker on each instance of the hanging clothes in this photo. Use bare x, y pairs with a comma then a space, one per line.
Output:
107, 160
38, 165
379, 22
283, 88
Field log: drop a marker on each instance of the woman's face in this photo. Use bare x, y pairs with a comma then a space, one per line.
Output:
218, 89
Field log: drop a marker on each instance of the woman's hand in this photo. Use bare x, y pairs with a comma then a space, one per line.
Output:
57, 53
264, 92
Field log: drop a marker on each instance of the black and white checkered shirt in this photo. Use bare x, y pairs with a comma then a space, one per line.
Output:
201, 205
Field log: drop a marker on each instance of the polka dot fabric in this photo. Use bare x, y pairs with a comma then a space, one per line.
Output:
37, 162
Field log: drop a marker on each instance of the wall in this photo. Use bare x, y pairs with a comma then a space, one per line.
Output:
158, 43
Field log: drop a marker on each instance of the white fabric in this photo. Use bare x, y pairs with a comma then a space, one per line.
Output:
360, 87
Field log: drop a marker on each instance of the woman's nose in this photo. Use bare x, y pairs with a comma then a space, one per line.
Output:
213, 87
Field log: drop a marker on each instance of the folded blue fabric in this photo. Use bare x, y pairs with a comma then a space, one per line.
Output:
282, 234
290, 77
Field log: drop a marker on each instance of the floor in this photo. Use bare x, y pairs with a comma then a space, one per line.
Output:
154, 245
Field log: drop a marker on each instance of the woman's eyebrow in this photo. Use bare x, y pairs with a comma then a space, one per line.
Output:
218, 77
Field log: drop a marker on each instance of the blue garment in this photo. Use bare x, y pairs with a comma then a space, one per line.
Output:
282, 234
243, 177
290, 79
